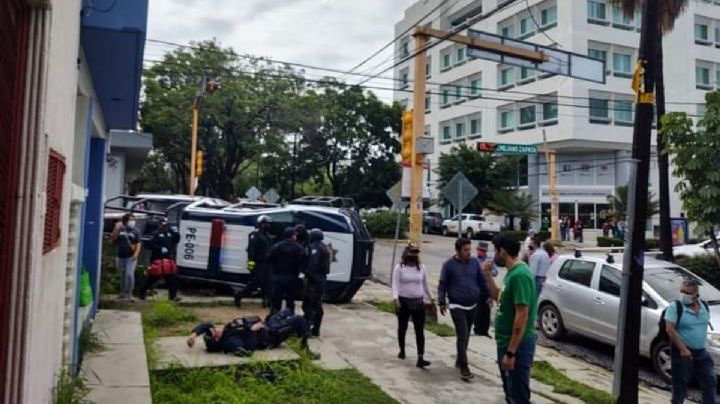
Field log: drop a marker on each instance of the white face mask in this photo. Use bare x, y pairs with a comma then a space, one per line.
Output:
131, 224
687, 299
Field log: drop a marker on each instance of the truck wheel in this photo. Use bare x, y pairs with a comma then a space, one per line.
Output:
551, 323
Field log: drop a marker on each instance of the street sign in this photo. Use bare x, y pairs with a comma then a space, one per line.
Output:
507, 148
459, 191
253, 194
395, 195
425, 145
271, 196
558, 61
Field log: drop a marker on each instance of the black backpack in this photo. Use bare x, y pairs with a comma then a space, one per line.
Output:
662, 332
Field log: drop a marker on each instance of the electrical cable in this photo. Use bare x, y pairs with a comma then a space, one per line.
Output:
554, 42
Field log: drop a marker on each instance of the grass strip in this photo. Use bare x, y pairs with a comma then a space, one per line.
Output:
546, 373
440, 329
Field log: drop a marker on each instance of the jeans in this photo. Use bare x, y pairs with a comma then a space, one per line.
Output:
463, 320
285, 288
701, 366
516, 382
312, 303
283, 324
126, 270
418, 318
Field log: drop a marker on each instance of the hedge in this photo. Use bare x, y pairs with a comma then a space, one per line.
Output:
382, 224
650, 244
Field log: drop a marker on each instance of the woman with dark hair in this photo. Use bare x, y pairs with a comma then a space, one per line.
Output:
550, 249
410, 294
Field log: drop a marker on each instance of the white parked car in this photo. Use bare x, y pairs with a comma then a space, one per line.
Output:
472, 225
693, 250
581, 294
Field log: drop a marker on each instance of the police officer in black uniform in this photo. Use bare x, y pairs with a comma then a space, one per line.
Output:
318, 267
259, 245
286, 260
162, 246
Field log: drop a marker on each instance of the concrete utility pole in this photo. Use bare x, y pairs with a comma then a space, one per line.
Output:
550, 160
193, 142
625, 386
422, 35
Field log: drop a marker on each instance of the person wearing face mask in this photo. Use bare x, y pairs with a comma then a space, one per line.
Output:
686, 323
162, 246
127, 238
462, 284
514, 320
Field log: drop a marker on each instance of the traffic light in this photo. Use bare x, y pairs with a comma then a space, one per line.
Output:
406, 137
199, 163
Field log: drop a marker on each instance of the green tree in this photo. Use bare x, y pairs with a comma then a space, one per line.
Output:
252, 105
155, 176
619, 204
513, 204
486, 172
696, 154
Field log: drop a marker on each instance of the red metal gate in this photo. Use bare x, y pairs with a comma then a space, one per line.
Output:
14, 17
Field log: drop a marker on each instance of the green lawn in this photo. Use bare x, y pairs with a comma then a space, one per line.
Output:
546, 373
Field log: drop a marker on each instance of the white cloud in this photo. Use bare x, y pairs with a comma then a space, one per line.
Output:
327, 33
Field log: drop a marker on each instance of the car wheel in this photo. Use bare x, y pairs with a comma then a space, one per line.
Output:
661, 360
445, 231
551, 322
469, 233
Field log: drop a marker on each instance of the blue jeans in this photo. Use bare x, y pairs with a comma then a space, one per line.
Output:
516, 382
283, 324
701, 366
126, 270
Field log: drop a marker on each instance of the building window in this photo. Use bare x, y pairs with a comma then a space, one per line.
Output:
597, 54
527, 27
404, 79
475, 86
405, 47
446, 60
599, 111
459, 130
507, 31
446, 135
526, 75
428, 102
460, 56
53, 200
428, 68
597, 12
717, 35
717, 76
527, 117
701, 34
623, 112
506, 77
548, 17
622, 65
475, 124
445, 101
550, 113
459, 94
506, 121
620, 20
702, 78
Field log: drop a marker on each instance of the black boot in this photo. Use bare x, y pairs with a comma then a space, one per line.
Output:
401, 355
422, 363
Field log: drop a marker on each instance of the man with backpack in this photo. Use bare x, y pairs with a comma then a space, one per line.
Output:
686, 322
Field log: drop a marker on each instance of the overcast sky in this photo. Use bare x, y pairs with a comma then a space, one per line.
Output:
329, 33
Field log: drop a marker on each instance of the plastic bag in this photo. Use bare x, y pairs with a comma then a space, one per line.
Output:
86, 294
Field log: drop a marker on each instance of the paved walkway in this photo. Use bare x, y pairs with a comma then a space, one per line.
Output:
375, 355
118, 373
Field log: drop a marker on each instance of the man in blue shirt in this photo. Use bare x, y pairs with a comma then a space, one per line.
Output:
688, 332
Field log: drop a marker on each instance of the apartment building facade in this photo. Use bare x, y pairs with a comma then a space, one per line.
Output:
588, 124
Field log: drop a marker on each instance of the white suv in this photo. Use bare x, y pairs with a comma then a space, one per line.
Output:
581, 294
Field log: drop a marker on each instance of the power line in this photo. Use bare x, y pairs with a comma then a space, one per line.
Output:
554, 42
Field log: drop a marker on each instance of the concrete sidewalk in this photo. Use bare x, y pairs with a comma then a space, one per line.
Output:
375, 354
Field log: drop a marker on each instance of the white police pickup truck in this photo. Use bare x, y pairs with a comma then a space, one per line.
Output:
471, 225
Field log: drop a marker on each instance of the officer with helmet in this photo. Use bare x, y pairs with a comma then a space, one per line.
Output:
259, 244
316, 271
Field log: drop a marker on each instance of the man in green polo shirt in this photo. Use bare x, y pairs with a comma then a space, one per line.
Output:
515, 319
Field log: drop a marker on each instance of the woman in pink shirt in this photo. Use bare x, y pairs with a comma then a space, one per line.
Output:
410, 294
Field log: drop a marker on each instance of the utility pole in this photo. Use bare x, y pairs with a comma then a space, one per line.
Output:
550, 160
625, 385
663, 162
193, 142
418, 119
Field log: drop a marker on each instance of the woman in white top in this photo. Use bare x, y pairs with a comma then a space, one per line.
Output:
410, 294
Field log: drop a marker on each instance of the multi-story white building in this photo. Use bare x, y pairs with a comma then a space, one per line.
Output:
589, 124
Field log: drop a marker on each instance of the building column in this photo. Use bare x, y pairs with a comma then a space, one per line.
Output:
92, 251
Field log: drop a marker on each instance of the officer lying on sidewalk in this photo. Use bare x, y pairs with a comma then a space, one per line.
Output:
686, 323
243, 336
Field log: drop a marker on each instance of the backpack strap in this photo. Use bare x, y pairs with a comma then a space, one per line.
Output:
679, 310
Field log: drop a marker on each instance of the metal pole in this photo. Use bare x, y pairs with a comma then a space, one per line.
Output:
625, 384
193, 147
460, 209
663, 162
416, 161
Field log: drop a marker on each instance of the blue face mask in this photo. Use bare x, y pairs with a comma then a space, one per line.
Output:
687, 299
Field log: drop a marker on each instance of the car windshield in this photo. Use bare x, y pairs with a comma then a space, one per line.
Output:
666, 281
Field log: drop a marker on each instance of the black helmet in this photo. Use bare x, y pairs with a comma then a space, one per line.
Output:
316, 235
264, 219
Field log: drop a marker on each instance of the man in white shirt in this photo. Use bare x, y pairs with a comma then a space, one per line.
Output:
539, 264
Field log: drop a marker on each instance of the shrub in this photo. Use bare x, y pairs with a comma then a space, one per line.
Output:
165, 313
705, 266
610, 242
382, 224
543, 235
109, 278
652, 244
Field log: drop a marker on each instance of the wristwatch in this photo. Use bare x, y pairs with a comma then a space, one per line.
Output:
510, 354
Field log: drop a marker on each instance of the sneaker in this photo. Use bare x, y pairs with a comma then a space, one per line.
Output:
422, 363
465, 373
401, 355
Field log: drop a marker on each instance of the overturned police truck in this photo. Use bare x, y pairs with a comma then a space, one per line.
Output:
214, 240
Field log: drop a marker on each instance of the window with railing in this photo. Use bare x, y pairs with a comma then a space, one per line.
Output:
507, 123
527, 117
702, 76
548, 17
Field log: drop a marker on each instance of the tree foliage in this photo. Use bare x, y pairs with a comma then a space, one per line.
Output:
513, 204
486, 172
619, 204
268, 126
696, 152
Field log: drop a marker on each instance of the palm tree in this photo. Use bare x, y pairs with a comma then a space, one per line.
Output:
513, 205
619, 204
669, 11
